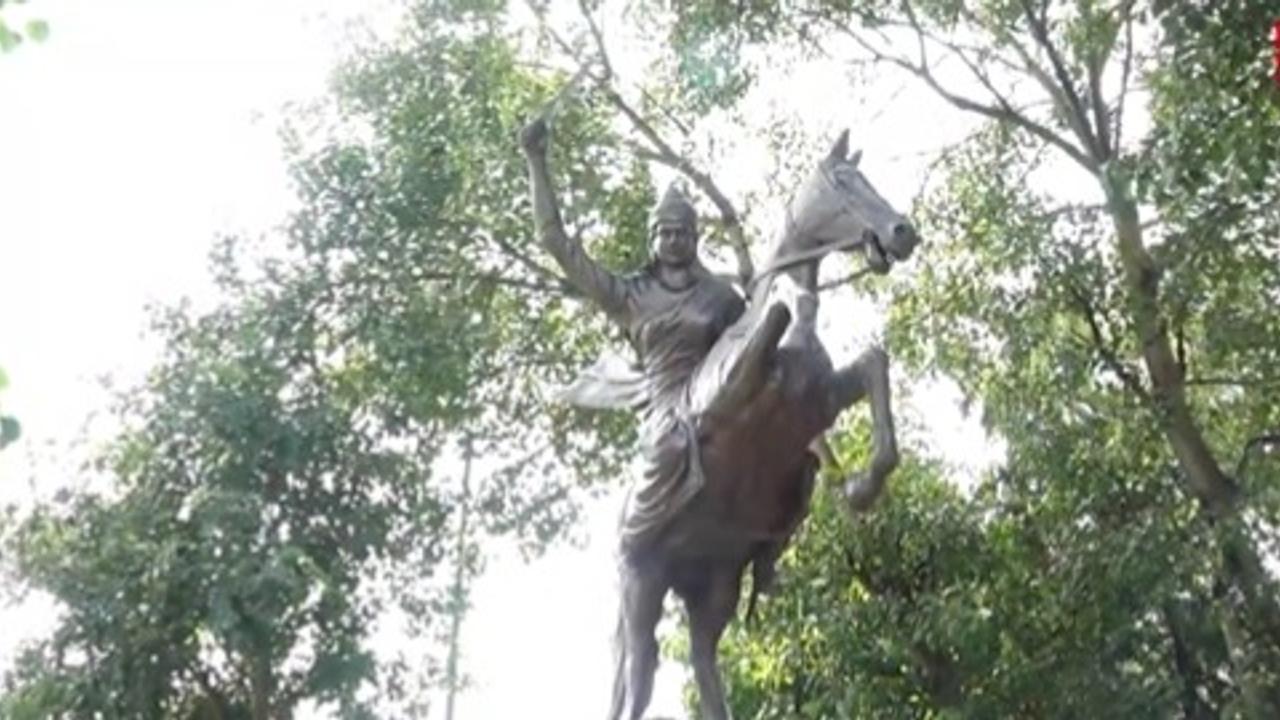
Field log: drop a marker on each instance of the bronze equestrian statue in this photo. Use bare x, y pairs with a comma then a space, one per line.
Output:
731, 395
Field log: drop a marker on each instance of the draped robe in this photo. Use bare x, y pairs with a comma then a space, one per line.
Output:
673, 329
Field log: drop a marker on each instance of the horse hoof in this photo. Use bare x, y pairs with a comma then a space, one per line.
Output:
860, 493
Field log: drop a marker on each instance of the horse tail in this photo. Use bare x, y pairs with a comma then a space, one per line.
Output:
619, 666
758, 580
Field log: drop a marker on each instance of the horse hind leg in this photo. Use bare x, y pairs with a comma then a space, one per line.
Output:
637, 645
618, 700
867, 376
711, 605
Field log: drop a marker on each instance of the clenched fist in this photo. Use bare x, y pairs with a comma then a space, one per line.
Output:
533, 137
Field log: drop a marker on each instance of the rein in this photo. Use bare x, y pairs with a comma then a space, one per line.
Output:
800, 258
804, 256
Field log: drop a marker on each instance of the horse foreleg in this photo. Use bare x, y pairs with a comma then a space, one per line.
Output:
710, 609
749, 370
868, 376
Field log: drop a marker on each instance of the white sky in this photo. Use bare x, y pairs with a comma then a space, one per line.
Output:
143, 128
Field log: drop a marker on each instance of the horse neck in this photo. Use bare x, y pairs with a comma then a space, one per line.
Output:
804, 275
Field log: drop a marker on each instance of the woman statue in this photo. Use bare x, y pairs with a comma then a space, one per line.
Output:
672, 311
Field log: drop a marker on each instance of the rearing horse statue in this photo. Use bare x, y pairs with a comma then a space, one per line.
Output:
731, 395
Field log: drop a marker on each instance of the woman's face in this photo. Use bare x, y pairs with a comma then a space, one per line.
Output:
675, 244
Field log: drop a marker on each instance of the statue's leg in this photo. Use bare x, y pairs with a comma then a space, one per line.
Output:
711, 605
749, 370
642, 594
868, 376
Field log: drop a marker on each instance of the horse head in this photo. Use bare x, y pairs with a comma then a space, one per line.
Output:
838, 208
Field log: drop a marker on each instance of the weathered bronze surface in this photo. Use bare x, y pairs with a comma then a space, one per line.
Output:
731, 394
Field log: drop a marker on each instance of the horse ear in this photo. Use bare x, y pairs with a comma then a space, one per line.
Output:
857, 158
841, 149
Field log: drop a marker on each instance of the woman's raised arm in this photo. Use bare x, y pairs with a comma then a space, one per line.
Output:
606, 289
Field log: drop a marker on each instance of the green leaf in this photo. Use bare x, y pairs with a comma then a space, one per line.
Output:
10, 430
38, 30
8, 38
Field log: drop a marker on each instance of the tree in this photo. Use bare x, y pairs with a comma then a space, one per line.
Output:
286, 475
1123, 349
254, 502
430, 221
284, 478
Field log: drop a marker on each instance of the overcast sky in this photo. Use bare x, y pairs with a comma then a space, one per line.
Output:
144, 128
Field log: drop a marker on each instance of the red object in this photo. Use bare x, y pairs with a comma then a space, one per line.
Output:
1275, 38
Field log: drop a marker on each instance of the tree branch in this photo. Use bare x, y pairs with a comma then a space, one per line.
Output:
667, 155
1235, 382
1264, 441
1095, 67
1101, 123
1193, 707
598, 37
525, 260
666, 112
1104, 347
1057, 95
1077, 115
1002, 114
1206, 479
986, 51
1126, 69
664, 152
1070, 209
561, 288
568, 49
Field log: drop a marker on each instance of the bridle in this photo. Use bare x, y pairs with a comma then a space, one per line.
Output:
805, 256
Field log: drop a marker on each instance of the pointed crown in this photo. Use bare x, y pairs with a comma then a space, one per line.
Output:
675, 209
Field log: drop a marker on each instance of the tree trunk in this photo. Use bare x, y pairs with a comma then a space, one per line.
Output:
261, 688
1184, 661
1217, 492
459, 585
940, 676
1257, 635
